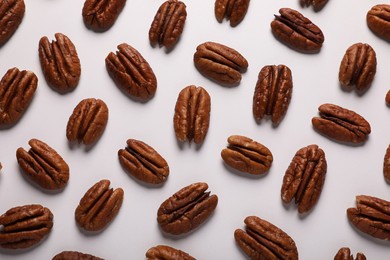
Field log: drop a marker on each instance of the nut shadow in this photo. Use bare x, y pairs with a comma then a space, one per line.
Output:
243, 174
72, 145
182, 145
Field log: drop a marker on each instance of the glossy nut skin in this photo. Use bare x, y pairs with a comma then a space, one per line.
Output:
43, 165
378, 20
233, 10
386, 165
163, 252
17, 89
317, 4
74, 255
11, 16
344, 253
25, 226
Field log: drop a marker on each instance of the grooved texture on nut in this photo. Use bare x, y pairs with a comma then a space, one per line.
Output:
11, 16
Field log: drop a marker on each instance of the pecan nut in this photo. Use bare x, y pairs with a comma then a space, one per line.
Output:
60, 62
358, 67
233, 10
131, 72
386, 165
74, 255
43, 165
168, 24
371, 216
143, 162
263, 240
100, 15
87, 122
187, 209
344, 253
297, 31
11, 16
304, 178
17, 88
99, 206
25, 226
247, 155
341, 124
192, 114
273, 93
317, 4
387, 98
378, 20
220, 63
161, 252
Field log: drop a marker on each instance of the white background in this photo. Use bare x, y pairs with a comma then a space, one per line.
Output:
352, 170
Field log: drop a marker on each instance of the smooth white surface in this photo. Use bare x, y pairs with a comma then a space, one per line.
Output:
351, 170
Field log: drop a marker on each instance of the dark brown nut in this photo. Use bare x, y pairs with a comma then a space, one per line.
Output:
17, 88
304, 178
378, 20
247, 155
341, 124
220, 63
297, 31
187, 209
60, 63
233, 10
143, 162
88, 121
386, 165
99, 206
344, 253
162, 252
192, 114
11, 16
387, 98
358, 67
131, 72
168, 24
317, 4
74, 255
272, 93
25, 226
43, 165
100, 15
263, 240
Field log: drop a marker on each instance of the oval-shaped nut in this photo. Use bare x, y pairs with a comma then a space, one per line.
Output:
11, 16
162, 252
387, 98
17, 88
25, 226
386, 165
220, 63
59, 62
273, 93
317, 4
43, 165
341, 124
263, 240
192, 114
168, 24
344, 253
187, 209
247, 155
233, 10
87, 122
304, 178
99, 206
143, 162
378, 20
297, 31
100, 15
371, 216
131, 72
74, 255
358, 66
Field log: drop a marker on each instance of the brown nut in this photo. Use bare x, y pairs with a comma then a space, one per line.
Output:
233, 10
273, 93
43, 165
99, 206
17, 88
74, 255
247, 155
162, 252
344, 253
263, 240
187, 209
25, 226
387, 98
378, 20
11, 16
386, 165
220, 63
304, 178
317, 4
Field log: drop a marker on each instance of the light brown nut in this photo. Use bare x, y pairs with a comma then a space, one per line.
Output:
304, 178
220, 63
378, 20
99, 206
43, 165
247, 155
317, 4
87, 122
192, 114
25, 226
344, 253
386, 165
74, 255
163, 252
143, 162
17, 89
263, 240
11, 16
233, 10
131, 72
60, 63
